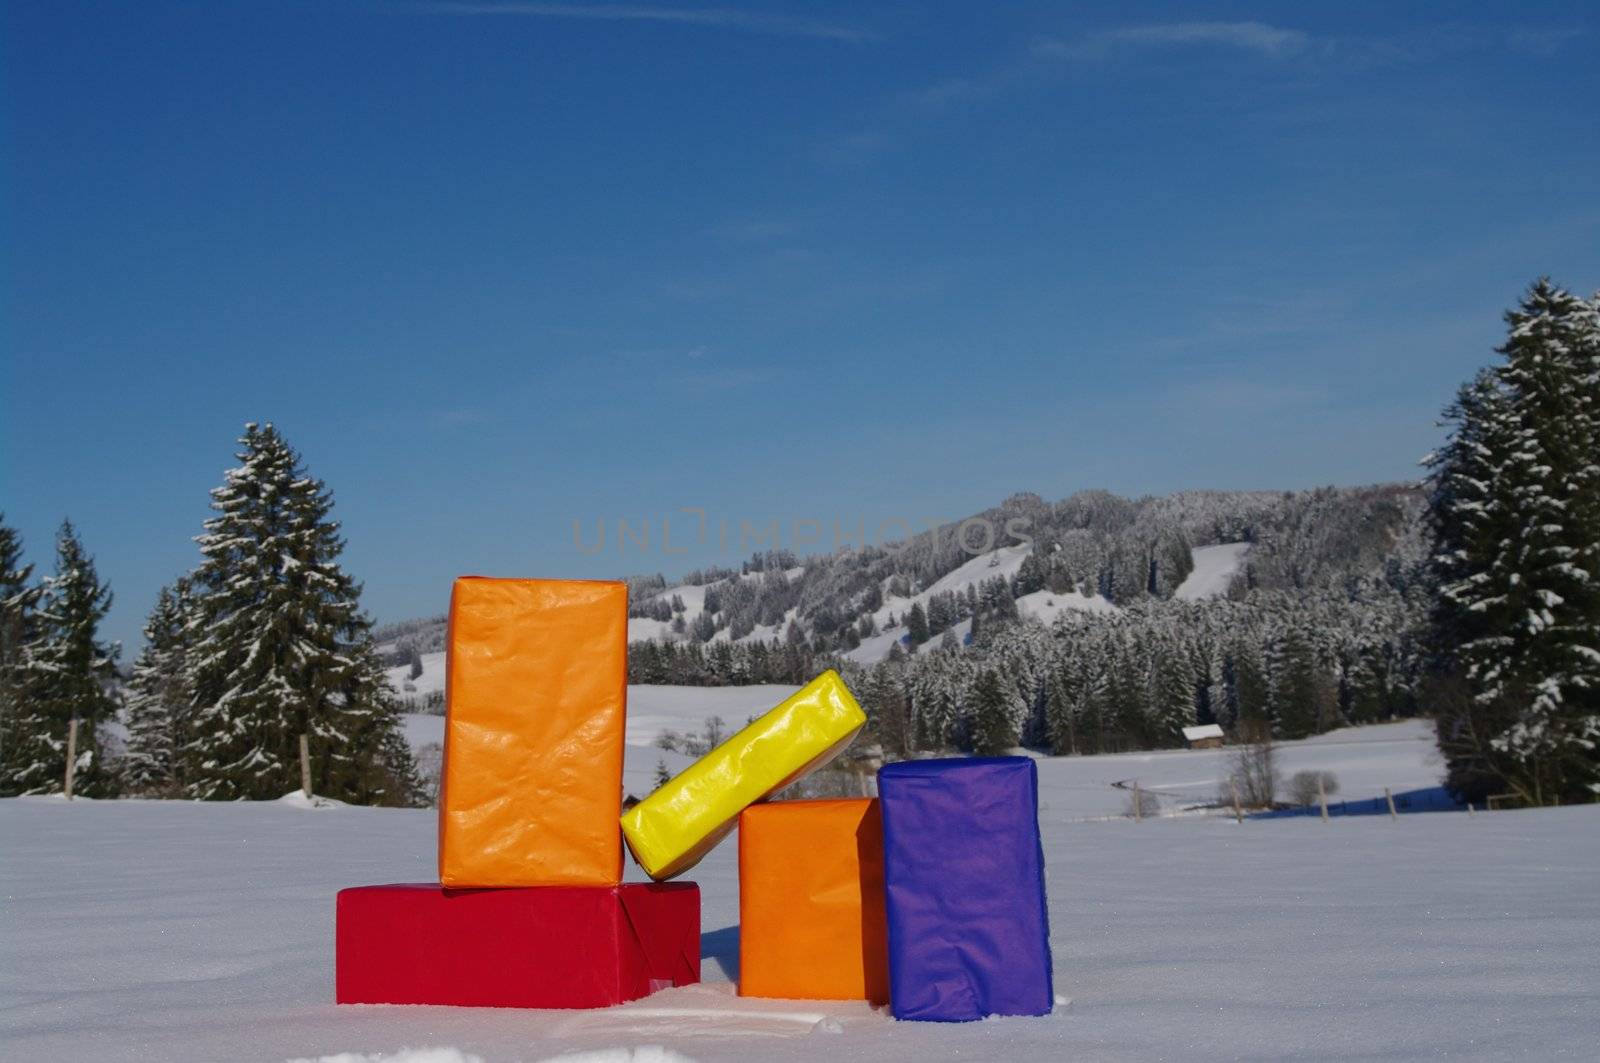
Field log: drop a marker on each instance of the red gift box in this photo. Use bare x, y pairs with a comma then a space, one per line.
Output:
533, 947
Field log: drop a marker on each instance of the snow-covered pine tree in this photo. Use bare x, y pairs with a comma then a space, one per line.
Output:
1060, 712
993, 715
66, 673
1121, 702
1304, 699
917, 624
377, 757
283, 649
18, 598
1516, 510
889, 709
159, 700
936, 696
1173, 692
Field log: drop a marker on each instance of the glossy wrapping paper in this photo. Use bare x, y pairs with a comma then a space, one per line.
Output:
969, 934
811, 921
541, 947
535, 702
669, 831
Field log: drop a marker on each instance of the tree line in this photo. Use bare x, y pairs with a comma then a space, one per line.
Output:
258, 674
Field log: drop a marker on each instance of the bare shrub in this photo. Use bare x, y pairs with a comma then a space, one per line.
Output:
1253, 768
1143, 803
1303, 786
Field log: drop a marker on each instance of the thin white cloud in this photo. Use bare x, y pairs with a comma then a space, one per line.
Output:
1246, 36
710, 17
1045, 53
1258, 37
1544, 41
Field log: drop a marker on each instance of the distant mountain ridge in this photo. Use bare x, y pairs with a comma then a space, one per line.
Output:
1092, 553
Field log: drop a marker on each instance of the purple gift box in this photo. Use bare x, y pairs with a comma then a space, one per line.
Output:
969, 934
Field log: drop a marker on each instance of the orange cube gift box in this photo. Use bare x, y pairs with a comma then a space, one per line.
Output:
536, 694
811, 901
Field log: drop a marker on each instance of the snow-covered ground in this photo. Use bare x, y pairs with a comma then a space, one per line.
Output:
174, 930
1401, 756
1214, 568
138, 930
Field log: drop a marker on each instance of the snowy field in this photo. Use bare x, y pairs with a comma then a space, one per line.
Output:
1400, 756
139, 930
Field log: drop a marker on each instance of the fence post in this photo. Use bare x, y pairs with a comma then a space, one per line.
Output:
1138, 803
72, 756
305, 765
1389, 797
1322, 797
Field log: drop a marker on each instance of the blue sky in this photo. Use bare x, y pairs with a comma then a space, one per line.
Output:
494, 267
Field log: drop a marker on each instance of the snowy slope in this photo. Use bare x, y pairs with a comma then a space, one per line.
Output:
693, 597
430, 681
1214, 569
1045, 605
180, 931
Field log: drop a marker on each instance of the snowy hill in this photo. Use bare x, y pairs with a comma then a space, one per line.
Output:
134, 931
1094, 553
1214, 569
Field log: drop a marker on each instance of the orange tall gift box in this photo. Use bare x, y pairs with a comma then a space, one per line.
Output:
535, 702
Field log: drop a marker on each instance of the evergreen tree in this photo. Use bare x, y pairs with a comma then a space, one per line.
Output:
159, 698
377, 759
1173, 695
936, 700
1245, 685
1516, 512
18, 600
1303, 698
284, 650
917, 624
1033, 574
66, 673
889, 710
994, 725
1061, 715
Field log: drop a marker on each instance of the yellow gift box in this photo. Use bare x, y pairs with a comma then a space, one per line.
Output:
669, 831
